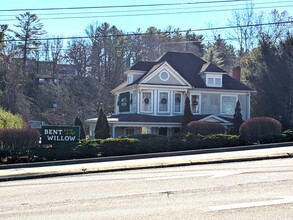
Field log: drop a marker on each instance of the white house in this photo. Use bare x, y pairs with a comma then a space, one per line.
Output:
152, 99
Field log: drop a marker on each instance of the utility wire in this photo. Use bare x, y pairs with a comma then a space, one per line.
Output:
150, 14
122, 6
146, 34
160, 9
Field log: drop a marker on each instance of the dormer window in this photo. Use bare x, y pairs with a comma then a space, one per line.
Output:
214, 80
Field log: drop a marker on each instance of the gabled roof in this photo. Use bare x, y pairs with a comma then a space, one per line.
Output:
189, 67
209, 67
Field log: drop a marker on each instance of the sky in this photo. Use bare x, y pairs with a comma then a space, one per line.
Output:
128, 17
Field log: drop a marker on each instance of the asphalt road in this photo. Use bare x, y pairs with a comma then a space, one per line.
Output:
243, 190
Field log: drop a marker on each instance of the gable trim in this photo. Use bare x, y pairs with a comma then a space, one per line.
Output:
165, 67
218, 119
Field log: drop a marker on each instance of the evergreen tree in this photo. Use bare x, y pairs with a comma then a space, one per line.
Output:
237, 119
102, 129
79, 123
30, 29
188, 116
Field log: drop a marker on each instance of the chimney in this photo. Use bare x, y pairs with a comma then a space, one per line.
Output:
236, 73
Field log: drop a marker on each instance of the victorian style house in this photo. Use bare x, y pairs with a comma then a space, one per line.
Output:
152, 99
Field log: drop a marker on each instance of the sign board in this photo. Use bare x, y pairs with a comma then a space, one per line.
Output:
124, 102
55, 134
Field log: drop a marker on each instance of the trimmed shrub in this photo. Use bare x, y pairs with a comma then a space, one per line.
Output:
272, 138
186, 141
204, 128
18, 142
219, 141
60, 151
289, 135
253, 129
153, 144
87, 148
119, 146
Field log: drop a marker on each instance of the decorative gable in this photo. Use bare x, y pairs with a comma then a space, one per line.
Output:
164, 74
216, 119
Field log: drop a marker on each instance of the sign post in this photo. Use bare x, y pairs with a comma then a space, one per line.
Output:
57, 134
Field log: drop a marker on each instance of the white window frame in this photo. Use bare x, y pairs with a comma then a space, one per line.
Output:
168, 101
168, 75
142, 100
130, 79
221, 104
181, 105
213, 84
129, 131
199, 103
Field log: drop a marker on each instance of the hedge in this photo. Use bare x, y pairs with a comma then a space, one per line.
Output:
253, 129
204, 128
18, 142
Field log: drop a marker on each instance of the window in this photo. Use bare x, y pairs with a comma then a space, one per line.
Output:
177, 102
195, 102
130, 79
146, 102
164, 76
163, 101
129, 131
214, 81
228, 104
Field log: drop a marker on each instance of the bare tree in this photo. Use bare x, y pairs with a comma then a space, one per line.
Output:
246, 23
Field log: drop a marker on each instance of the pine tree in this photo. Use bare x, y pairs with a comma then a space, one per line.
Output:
237, 119
30, 29
102, 129
188, 116
79, 123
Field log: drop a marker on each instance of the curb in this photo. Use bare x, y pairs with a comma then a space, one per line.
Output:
162, 165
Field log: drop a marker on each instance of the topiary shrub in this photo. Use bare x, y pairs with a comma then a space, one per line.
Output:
253, 129
204, 128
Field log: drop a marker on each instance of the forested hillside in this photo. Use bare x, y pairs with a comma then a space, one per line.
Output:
261, 44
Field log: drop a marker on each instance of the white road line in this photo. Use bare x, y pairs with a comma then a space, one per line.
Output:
212, 174
284, 200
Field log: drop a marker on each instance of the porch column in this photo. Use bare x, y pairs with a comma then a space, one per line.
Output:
113, 131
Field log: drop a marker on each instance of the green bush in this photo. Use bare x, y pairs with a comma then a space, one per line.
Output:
289, 135
204, 128
253, 129
119, 146
185, 141
87, 148
219, 141
8, 120
272, 138
152, 144
60, 151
